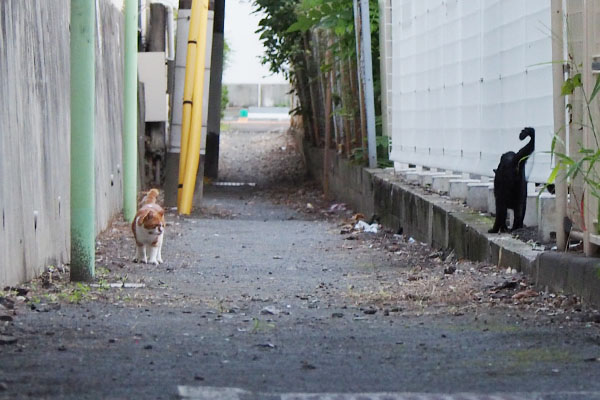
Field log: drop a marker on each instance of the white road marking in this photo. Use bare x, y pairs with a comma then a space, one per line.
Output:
216, 393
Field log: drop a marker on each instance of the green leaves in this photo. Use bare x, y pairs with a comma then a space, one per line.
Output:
571, 84
596, 88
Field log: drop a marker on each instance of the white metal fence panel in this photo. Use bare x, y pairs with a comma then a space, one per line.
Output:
467, 77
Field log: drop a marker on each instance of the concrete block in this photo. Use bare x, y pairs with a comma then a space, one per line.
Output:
477, 195
531, 212
412, 174
427, 178
441, 184
458, 188
546, 208
491, 206
398, 167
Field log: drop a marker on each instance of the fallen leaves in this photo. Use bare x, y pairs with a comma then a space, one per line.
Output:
525, 294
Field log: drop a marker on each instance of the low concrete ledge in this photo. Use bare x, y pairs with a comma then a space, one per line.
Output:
570, 273
445, 223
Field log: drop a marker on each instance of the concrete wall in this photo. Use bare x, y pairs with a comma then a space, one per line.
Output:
35, 129
247, 95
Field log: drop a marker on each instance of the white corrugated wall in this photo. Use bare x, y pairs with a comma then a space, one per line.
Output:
467, 77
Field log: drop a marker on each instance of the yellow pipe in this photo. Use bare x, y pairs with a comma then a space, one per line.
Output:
188, 89
193, 149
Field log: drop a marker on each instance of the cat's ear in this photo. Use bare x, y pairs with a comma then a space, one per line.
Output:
149, 216
143, 216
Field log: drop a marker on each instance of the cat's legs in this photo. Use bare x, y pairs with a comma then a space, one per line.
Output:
500, 223
519, 214
159, 245
152, 257
140, 253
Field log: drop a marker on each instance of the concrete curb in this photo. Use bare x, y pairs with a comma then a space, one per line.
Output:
444, 223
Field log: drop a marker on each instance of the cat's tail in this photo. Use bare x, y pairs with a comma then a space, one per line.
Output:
150, 197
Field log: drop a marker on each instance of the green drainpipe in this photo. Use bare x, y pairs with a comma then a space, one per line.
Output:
83, 22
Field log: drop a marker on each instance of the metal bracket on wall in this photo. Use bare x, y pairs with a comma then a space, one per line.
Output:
596, 64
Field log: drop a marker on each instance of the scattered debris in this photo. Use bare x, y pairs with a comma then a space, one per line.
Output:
19, 291
505, 285
449, 270
270, 310
266, 345
45, 307
7, 339
337, 207
6, 303
364, 227
525, 294
307, 365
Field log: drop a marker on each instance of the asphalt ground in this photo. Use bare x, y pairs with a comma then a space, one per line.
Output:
262, 296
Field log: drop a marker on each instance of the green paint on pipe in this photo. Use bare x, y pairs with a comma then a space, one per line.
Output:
130, 112
83, 23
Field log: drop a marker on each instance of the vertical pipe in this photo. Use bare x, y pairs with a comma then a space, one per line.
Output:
193, 152
211, 160
188, 91
383, 33
130, 111
359, 77
259, 101
170, 34
327, 147
83, 17
589, 209
559, 118
368, 82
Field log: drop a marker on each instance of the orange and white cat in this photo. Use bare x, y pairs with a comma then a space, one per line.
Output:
148, 228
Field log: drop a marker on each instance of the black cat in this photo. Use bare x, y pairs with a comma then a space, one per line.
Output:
510, 185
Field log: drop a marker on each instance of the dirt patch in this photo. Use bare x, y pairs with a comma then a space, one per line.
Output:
265, 158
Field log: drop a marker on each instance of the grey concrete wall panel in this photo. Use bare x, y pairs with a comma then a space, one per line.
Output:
35, 132
242, 95
109, 115
249, 94
275, 95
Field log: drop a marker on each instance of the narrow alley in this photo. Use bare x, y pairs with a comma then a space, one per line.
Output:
268, 292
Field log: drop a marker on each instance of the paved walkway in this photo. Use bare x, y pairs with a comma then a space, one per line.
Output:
257, 296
